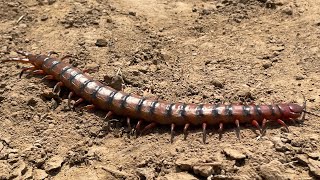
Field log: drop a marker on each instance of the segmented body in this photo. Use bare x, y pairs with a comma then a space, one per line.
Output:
157, 111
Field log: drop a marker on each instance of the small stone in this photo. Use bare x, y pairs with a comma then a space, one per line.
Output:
44, 18
273, 170
116, 173
302, 159
50, 2
4, 49
234, 154
109, 20
287, 10
180, 175
299, 78
101, 43
186, 165
216, 83
39, 174
32, 102
204, 171
314, 155
4, 170
132, 13
146, 173
267, 65
53, 163
314, 167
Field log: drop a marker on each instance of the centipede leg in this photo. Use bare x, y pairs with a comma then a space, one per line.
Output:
185, 130
238, 128
26, 69
283, 124
89, 107
204, 132
80, 100
138, 127
172, 132
57, 88
220, 130
48, 77
264, 126
69, 99
148, 127
256, 124
52, 52
108, 115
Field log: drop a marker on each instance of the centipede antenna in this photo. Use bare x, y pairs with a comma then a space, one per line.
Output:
23, 53
313, 114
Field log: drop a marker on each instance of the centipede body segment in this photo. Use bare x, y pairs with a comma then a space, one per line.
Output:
154, 111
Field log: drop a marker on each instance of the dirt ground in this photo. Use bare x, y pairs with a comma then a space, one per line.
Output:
191, 51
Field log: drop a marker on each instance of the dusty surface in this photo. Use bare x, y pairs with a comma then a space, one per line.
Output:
189, 51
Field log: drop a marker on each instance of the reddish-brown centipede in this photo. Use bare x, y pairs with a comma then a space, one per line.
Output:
155, 111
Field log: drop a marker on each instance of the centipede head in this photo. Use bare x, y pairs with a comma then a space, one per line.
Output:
34, 59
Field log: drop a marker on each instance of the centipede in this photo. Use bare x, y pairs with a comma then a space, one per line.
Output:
154, 112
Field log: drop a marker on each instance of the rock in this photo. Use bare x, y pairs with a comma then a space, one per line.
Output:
314, 167
314, 155
180, 175
53, 163
278, 144
4, 170
273, 170
4, 49
287, 10
302, 159
39, 174
186, 165
204, 171
234, 154
101, 43
216, 83
44, 18
299, 77
145, 173
116, 173
132, 13
20, 169
266, 65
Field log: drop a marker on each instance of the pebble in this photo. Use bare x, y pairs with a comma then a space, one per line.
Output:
302, 159
132, 13
273, 170
179, 175
39, 174
53, 163
314, 155
4, 170
4, 49
186, 165
267, 65
44, 18
234, 154
314, 167
204, 171
287, 10
116, 173
299, 78
216, 83
145, 173
101, 43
